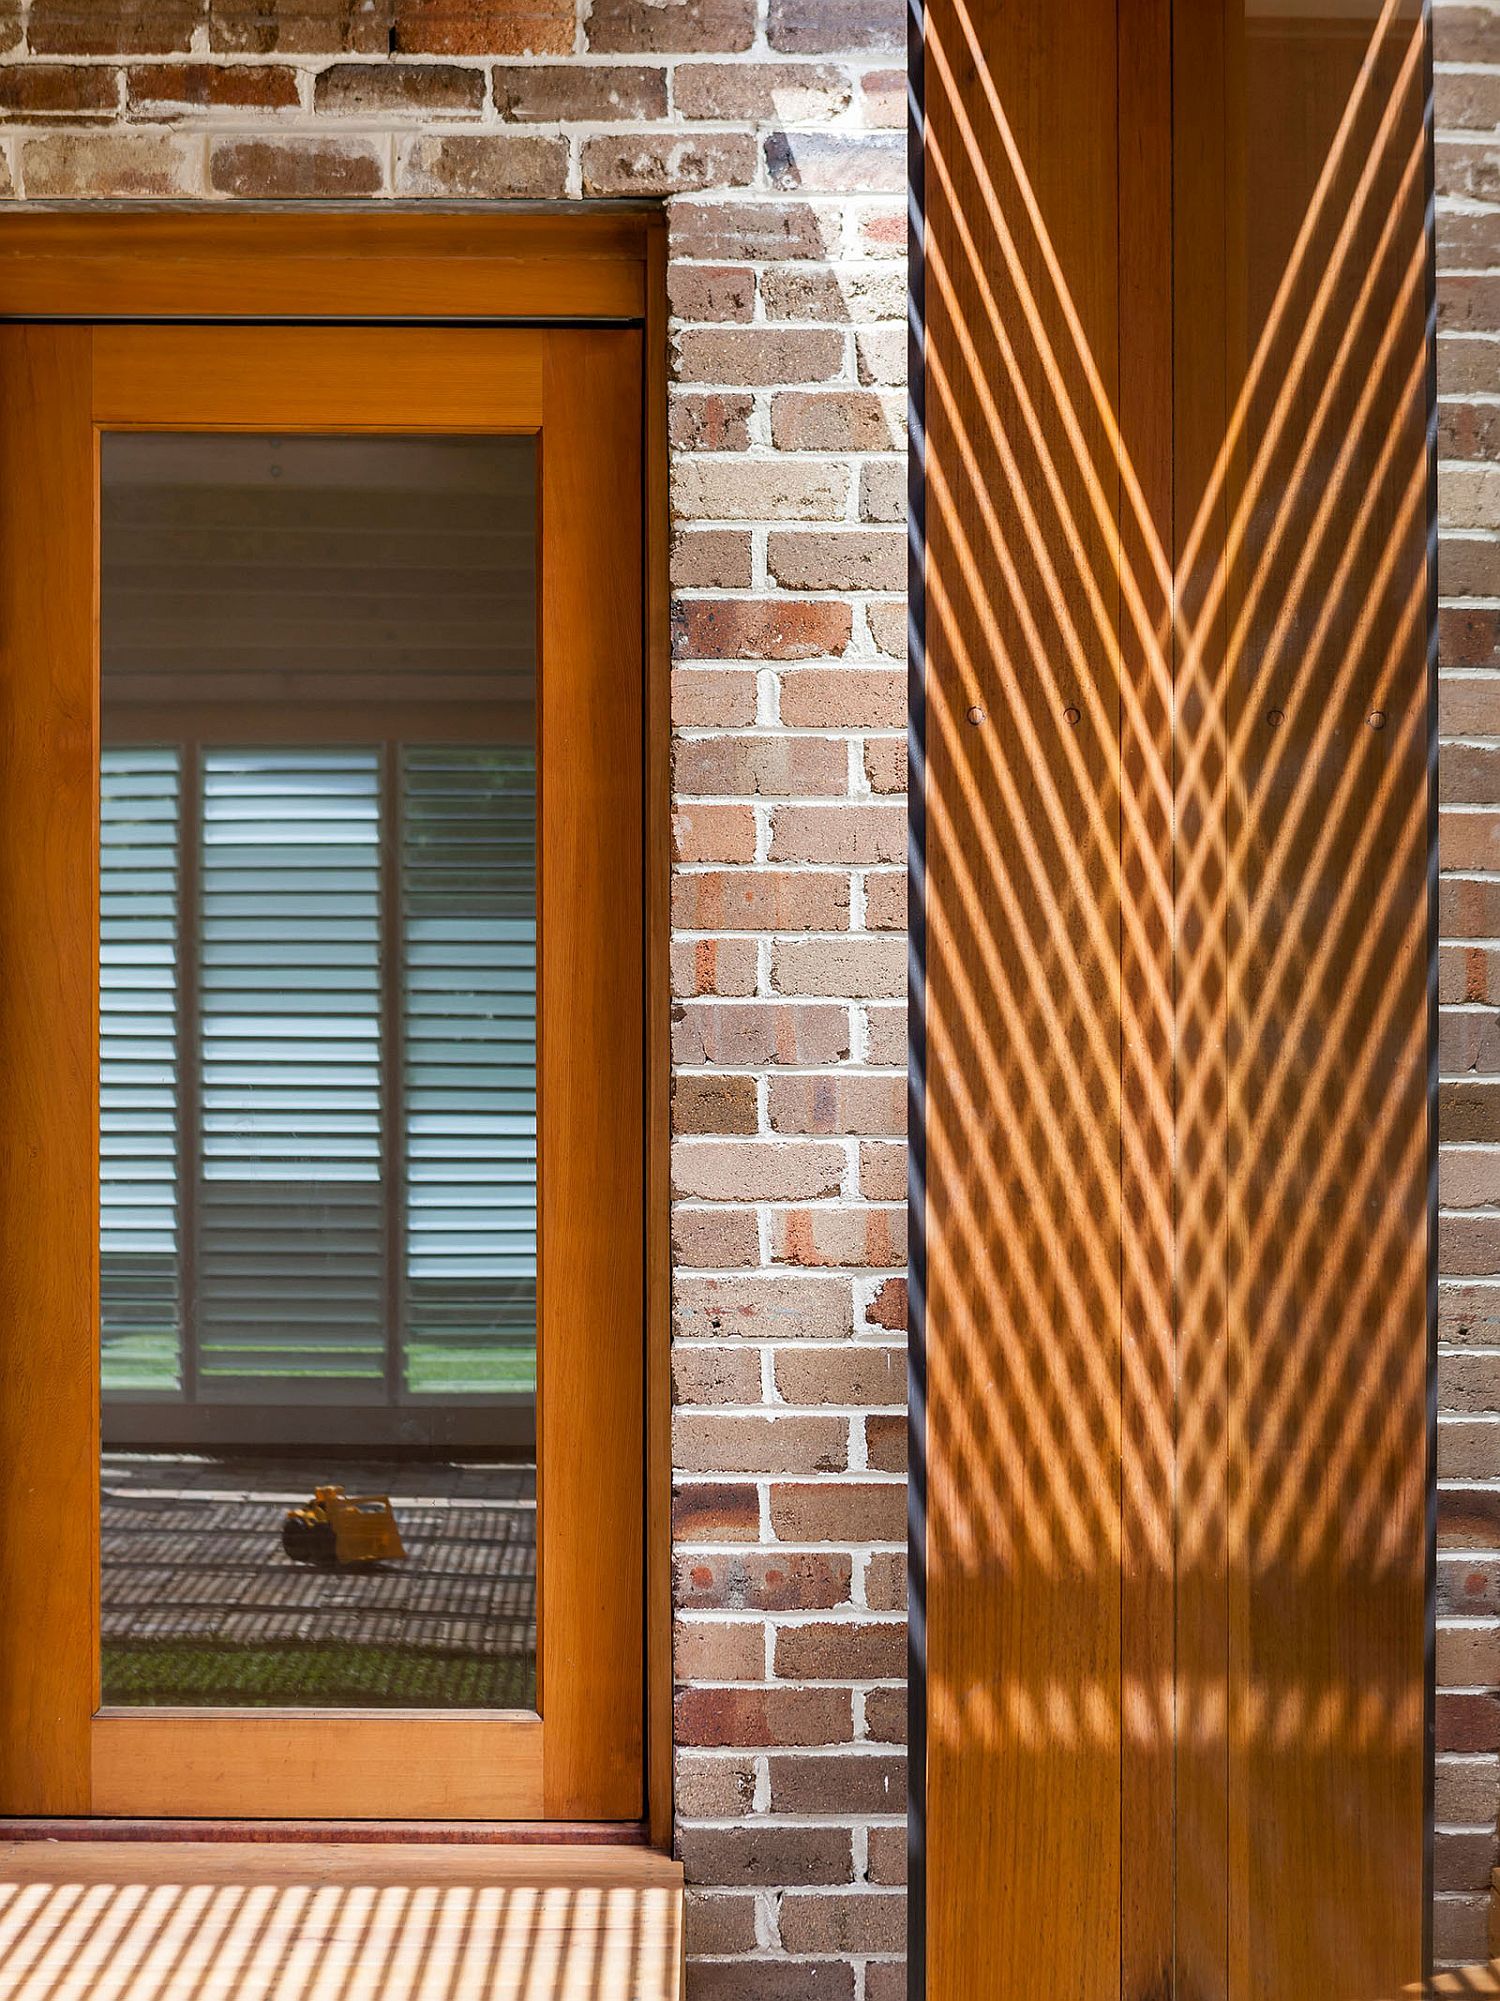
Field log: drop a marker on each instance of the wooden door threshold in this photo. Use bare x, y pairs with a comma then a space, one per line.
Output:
482, 1833
290, 1921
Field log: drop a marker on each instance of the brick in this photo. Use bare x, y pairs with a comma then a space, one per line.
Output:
859, 1781
885, 1581
716, 1510
759, 629
882, 230
1467, 1450
559, 93
167, 89
838, 1104
1468, 908
841, 1650
886, 1980
1465, 1382
767, 1854
1468, 430
1466, 303
713, 966
746, 93
885, 1035
717, 700
773, 1308
1468, 1517
882, 1171
1467, 169
1468, 973
888, 1306
760, 1033
666, 163
759, 355
770, 1980
1468, 1656
711, 292
1466, 101
1466, 35
718, 1650
1466, 1790
716, 1789
1469, 1180
713, 1104
712, 559
885, 901
837, 162
857, 836
885, 764
1468, 239
483, 27
725, 230
885, 1444
705, 1442
888, 628
295, 169
111, 27
864, 25
1468, 1587
844, 698
880, 355
482, 165
1467, 706
57, 90
885, 1714
713, 834
300, 27
1469, 637
846, 420
1462, 1860
714, 1239
840, 1511
713, 1924
846, 1924
762, 767
854, 1375
759, 490
671, 27
1468, 1040
839, 559
1469, 774
58, 165
1460, 1929
1464, 367
756, 1170
396, 90
703, 1375
761, 900
887, 1855
882, 491
862, 968
1468, 1722
856, 1237
716, 422
760, 1716
761, 1581
882, 98
839, 296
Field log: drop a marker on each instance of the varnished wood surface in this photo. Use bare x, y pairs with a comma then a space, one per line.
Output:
374, 264
240, 1763
49, 785
591, 993
185, 1921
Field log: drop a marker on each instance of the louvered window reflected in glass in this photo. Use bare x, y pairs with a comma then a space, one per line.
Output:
318, 927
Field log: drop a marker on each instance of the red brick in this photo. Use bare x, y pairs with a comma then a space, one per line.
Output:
1467, 169
1469, 637
57, 90
716, 833
156, 89
759, 1716
295, 169
844, 698
725, 230
861, 1374
885, 1444
707, 1442
885, 764
416, 90
1465, 35
719, 559
888, 1308
484, 27
885, 1714
763, 1581
555, 93
300, 27
718, 1650
837, 162
712, 292
840, 1511
887, 1852
716, 1510
703, 1375
800, 29
483, 165
838, 1104
841, 1650
716, 1789
759, 355
1467, 100
748, 93
713, 966
847, 1237
760, 629
775, 1308
1468, 1722
858, 836
716, 422
885, 1980
882, 1172
717, 700
713, 1924
858, 1782
763, 767
885, 900
770, 1980
666, 163
760, 1032
885, 1035
885, 1581
671, 27
859, 968
765, 1854
845, 420
888, 628
756, 1170
761, 900
112, 27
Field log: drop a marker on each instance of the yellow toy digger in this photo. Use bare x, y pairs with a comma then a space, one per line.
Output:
336, 1527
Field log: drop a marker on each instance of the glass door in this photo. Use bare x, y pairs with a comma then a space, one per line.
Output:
363, 1324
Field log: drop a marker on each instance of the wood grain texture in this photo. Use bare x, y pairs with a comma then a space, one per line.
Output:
49, 766
243, 1763
383, 379
1023, 1023
388, 263
211, 1921
591, 1137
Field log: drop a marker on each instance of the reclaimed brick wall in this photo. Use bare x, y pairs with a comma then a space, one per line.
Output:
776, 129
1466, 44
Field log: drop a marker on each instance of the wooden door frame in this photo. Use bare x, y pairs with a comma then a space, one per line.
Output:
554, 265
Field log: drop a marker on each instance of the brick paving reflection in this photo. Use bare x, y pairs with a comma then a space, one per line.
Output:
192, 1565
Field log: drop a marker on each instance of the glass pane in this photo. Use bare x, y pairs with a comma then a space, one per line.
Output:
318, 1071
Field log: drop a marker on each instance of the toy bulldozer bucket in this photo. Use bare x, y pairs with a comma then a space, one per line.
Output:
336, 1527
